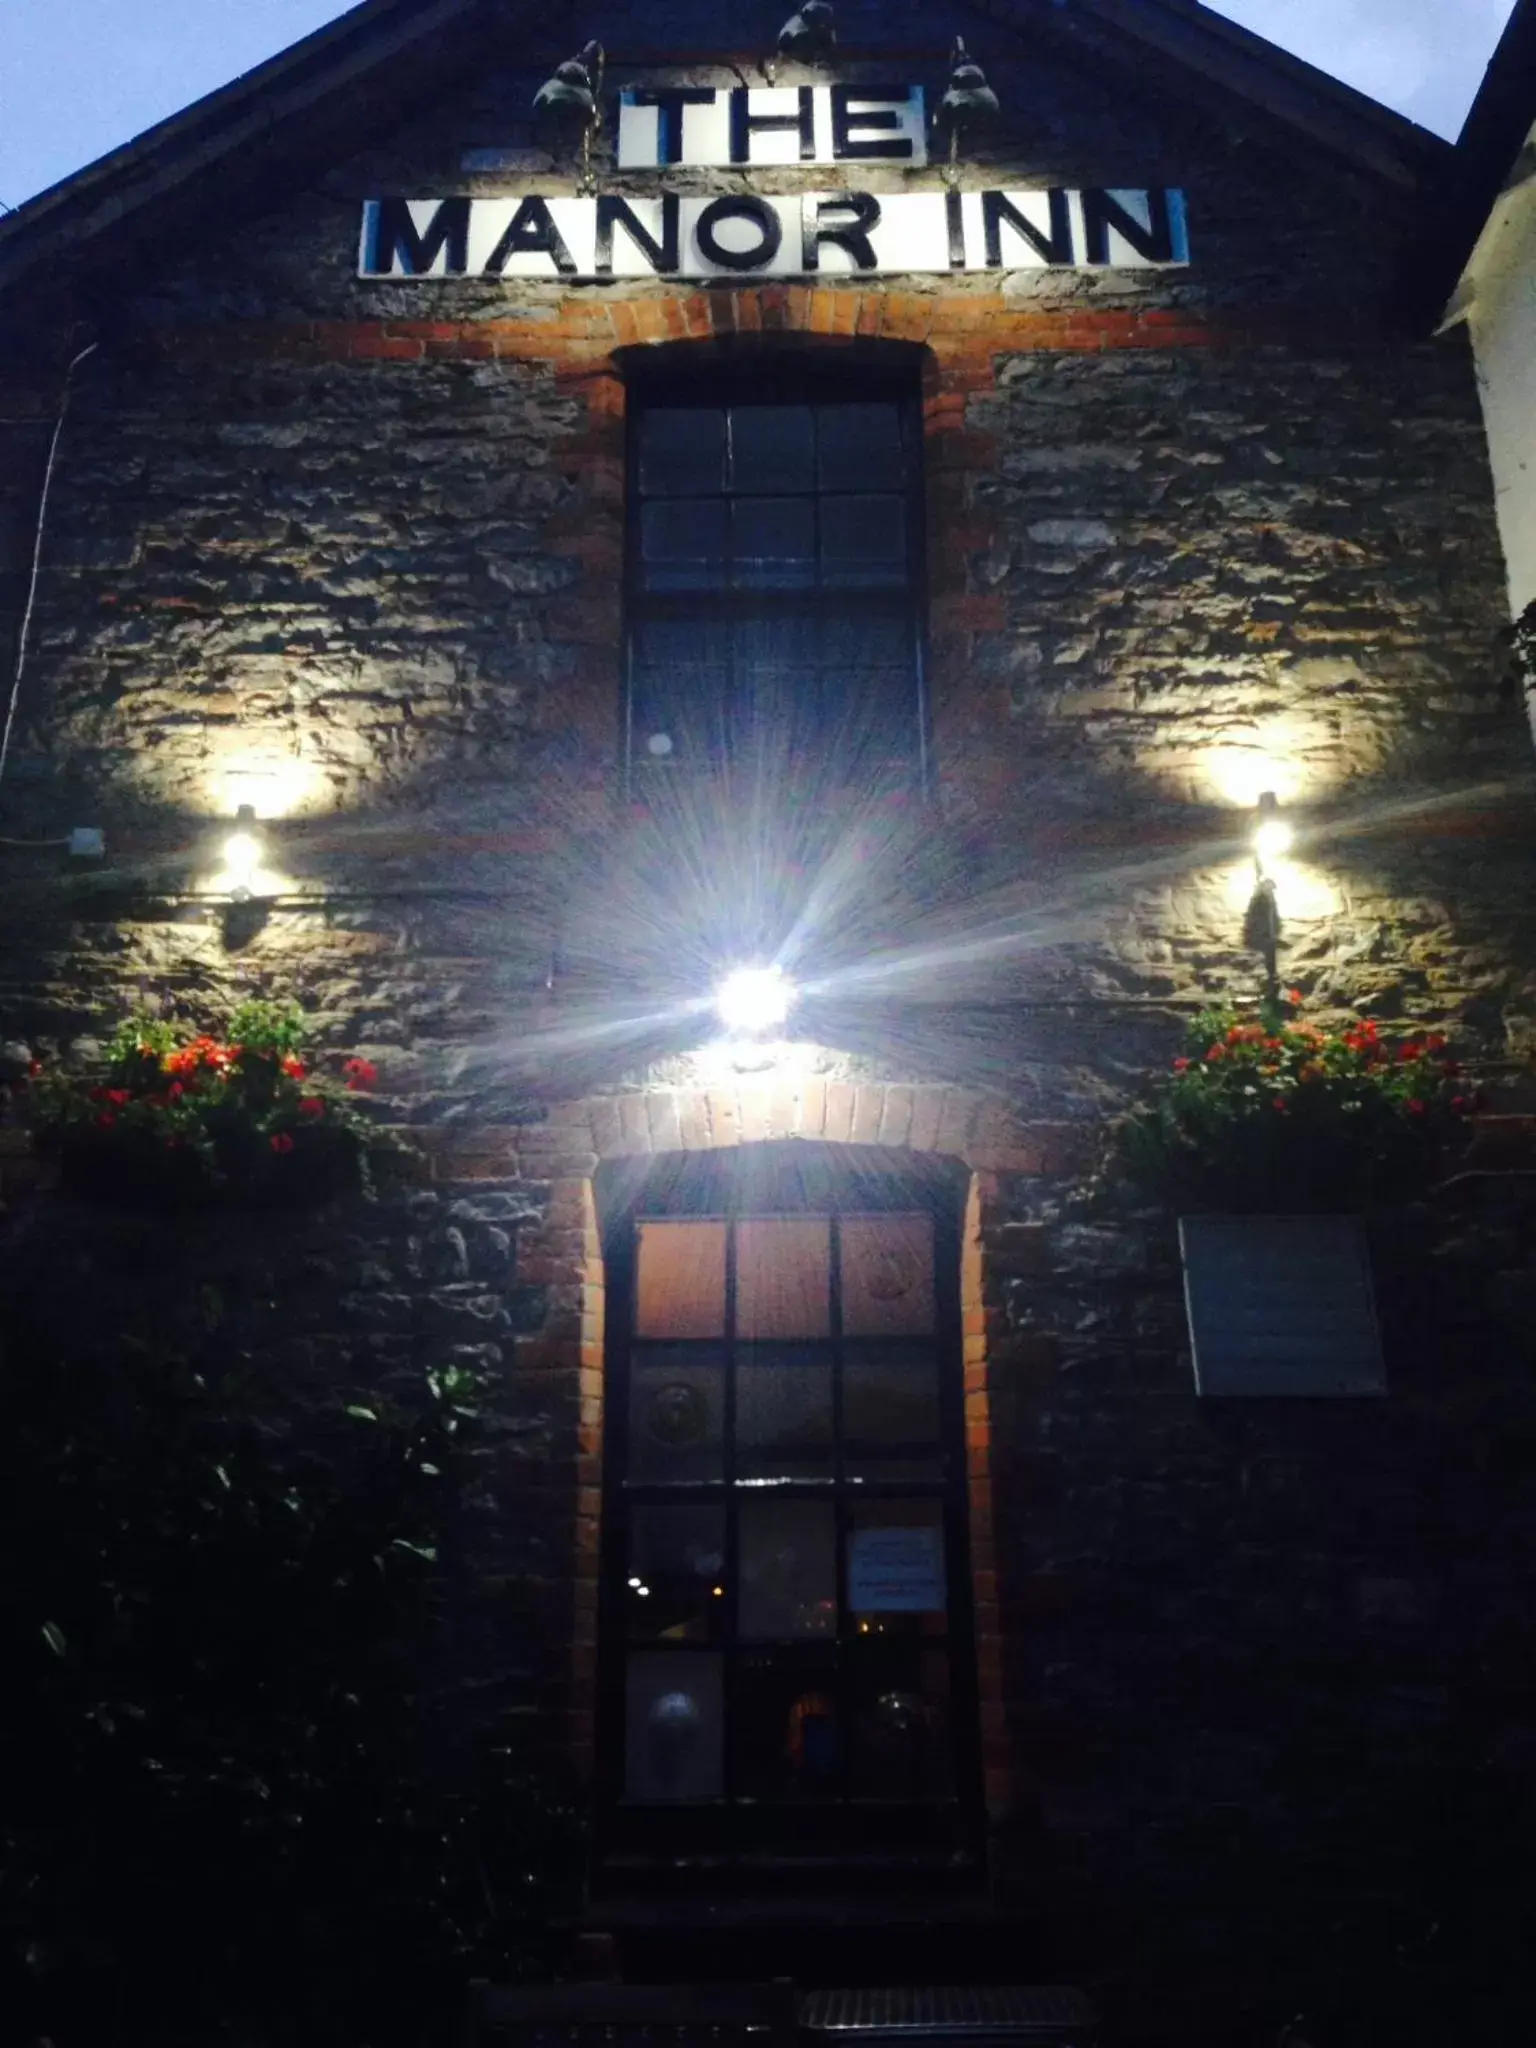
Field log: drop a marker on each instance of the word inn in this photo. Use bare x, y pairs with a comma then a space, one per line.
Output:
743, 234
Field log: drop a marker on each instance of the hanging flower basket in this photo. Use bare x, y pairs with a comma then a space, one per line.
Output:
179, 1122
1267, 1114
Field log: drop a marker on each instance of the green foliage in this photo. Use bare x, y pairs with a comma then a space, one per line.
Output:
1271, 1114
178, 1118
237, 1785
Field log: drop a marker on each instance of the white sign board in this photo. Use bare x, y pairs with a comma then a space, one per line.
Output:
896, 1571
660, 126
745, 235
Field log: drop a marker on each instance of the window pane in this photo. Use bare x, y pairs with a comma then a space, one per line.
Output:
900, 1716
783, 1278
680, 1280
783, 1410
785, 1740
875, 642
682, 544
773, 543
682, 451
772, 448
674, 1586
788, 1569
679, 688
859, 447
887, 1276
676, 1402
896, 1580
891, 1396
864, 542
672, 1726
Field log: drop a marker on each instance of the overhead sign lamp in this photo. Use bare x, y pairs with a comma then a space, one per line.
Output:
968, 103
243, 851
568, 106
808, 37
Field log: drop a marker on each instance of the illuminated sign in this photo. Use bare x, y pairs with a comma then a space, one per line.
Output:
665, 125
747, 235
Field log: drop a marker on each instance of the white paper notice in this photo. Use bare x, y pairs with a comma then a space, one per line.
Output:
896, 1571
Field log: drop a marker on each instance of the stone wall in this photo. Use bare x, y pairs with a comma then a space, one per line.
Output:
353, 552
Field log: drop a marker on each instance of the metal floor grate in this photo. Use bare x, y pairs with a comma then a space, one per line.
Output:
1022, 2012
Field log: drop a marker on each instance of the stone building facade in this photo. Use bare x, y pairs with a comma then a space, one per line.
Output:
1243, 1680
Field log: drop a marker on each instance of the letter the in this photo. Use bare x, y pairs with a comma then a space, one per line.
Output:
671, 100
997, 207
531, 232
819, 223
745, 124
394, 234
1103, 211
866, 107
613, 212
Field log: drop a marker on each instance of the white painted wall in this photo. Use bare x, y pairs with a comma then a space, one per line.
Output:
1500, 280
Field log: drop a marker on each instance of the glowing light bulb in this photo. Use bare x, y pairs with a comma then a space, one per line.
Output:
243, 850
754, 999
1272, 836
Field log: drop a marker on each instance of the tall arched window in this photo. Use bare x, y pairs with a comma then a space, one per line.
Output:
775, 571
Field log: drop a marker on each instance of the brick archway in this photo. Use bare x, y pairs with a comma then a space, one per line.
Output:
564, 1254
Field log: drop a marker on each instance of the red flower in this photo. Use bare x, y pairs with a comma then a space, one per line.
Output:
1459, 1105
281, 1142
312, 1105
1294, 998
106, 1120
35, 1069
294, 1067
175, 1091
1217, 1052
363, 1073
1414, 1107
1436, 1042
1181, 1066
117, 1096
1282, 1105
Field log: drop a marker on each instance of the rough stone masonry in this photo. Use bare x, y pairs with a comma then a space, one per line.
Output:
366, 539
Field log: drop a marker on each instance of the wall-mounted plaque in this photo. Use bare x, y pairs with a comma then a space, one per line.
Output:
1281, 1305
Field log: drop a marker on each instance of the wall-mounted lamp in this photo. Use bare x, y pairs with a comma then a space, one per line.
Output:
808, 37
1272, 839
568, 107
754, 1000
968, 102
1272, 834
244, 850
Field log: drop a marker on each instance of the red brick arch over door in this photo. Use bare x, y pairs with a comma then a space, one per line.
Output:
564, 1253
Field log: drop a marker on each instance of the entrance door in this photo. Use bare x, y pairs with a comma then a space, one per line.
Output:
785, 1616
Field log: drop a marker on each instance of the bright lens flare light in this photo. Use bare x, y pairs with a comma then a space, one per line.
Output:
1272, 839
752, 1000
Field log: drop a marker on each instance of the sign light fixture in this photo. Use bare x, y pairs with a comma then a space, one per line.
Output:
243, 851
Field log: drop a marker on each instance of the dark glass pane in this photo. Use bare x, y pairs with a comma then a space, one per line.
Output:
773, 448
674, 1587
679, 689
788, 1568
890, 1397
896, 1583
873, 642
887, 1275
783, 1409
673, 1747
900, 1721
676, 1401
859, 447
682, 451
682, 544
863, 542
783, 1277
773, 543
785, 1739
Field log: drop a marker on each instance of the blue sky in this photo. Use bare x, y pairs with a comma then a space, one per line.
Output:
78, 77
